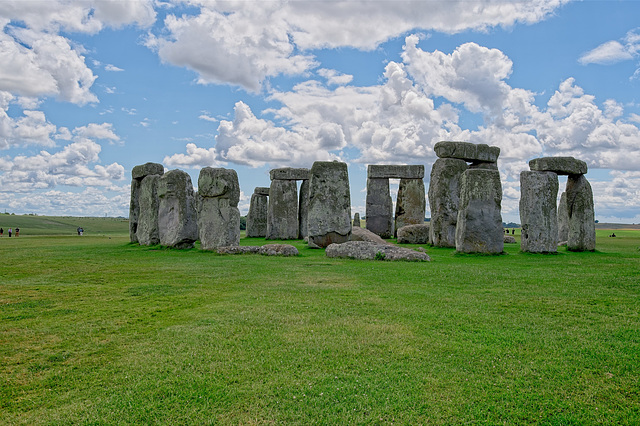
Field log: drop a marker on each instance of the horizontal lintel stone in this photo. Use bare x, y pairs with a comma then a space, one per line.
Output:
391, 171
261, 190
289, 173
559, 165
467, 151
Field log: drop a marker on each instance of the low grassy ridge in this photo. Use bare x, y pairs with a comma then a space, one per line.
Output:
96, 330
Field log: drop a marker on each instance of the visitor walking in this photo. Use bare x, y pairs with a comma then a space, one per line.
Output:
17, 232
10, 231
1, 232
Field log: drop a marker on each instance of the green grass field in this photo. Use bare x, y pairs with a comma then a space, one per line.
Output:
94, 330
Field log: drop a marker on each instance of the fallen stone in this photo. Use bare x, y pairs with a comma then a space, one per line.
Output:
289, 173
278, 250
177, 217
238, 249
329, 217
559, 165
379, 208
444, 200
479, 228
508, 239
364, 250
538, 212
261, 190
414, 234
582, 228
362, 234
375, 171
467, 151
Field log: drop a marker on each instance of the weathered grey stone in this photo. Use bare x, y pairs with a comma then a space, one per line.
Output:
289, 173
582, 228
508, 239
559, 165
365, 250
218, 214
361, 234
237, 249
411, 203
376, 171
142, 170
467, 151
479, 228
329, 218
278, 250
538, 213
303, 210
261, 190
177, 218
379, 208
282, 212
219, 183
414, 234
134, 210
483, 165
356, 220
444, 199
257, 216
563, 219
148, 232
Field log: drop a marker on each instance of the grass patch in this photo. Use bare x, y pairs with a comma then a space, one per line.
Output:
96, 330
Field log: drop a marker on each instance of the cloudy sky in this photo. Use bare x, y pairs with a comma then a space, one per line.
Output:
91, 88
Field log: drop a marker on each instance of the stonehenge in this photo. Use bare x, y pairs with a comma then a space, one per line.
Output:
177, 217
411, 202
257, 215
543, 223
218, 214
137, 176
283, 219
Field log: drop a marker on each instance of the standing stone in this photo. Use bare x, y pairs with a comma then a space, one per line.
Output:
411, 203
177, 218
257, 216
563, 219
137, 174
303, 209
538, 195
582, 228
356, 220
444, 199
148, 232
379, 208
218, 214
479, 227
329, 204
282, 212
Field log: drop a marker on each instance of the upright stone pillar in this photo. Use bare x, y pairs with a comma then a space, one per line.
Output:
479, 228
303, 209
444, 199
379, 208
329, 204
563, 219
218, 214
148, 232
411, 203
257, 216
538, 195
356, 220
177, 217
137, 174
582, 228
282, 212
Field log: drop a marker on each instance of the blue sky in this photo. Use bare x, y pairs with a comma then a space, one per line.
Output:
89, 89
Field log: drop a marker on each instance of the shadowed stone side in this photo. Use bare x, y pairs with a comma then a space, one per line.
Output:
479, 228
379, 208
582, 228
257, 216
148, 232
444, 198
303, 210
563, 218
134, 210
177, 218
538, 216
329, 218
218, 214
414, 234
411, 203
282, 212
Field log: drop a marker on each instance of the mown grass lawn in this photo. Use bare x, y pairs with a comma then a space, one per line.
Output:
96, 330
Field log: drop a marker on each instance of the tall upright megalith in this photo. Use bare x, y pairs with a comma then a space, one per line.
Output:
138, 173
379, 208
148, 232
582, 228
177, 217
411, 203
538, 213
257, 215
218, 214
444, 200
479, 227
329, 218
303, 210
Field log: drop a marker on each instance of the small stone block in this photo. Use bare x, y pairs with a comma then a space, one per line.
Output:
261, 190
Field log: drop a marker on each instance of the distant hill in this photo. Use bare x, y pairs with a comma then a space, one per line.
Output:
63, 225
617, 226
